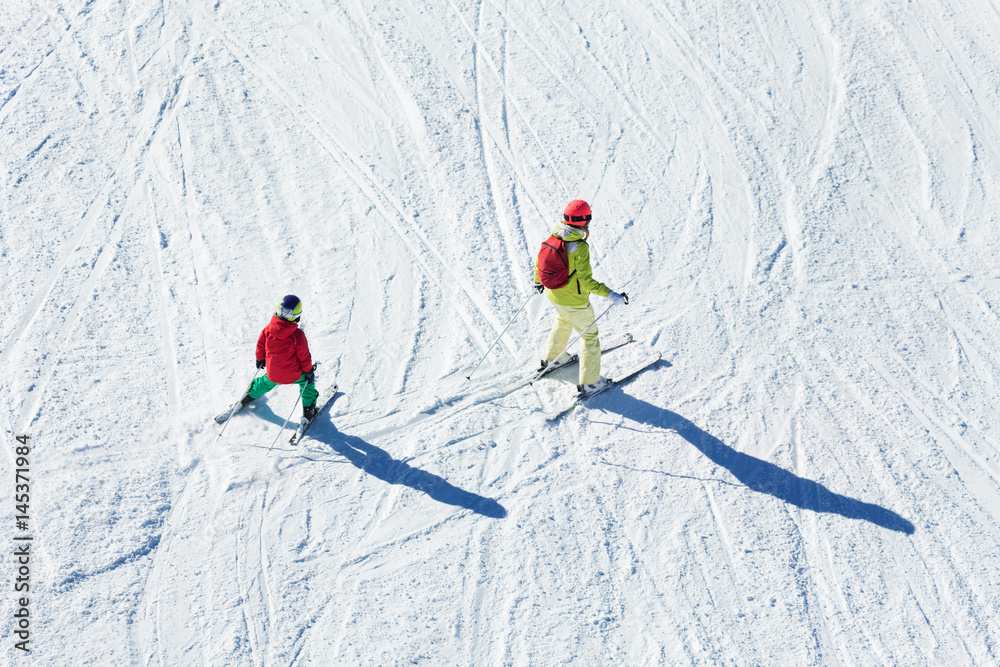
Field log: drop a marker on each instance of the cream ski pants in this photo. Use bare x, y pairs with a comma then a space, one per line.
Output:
578, 318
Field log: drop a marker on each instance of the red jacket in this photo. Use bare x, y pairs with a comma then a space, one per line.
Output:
286, 350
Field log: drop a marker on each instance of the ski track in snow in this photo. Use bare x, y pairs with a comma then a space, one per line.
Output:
800, 199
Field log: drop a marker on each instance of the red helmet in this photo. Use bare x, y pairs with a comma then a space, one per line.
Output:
577, 213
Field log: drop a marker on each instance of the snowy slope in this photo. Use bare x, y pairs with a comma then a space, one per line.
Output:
800, 197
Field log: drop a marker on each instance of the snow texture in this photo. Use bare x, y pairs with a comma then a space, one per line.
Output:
800, 198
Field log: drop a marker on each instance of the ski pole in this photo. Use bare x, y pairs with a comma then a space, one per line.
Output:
469, 376
566, 349
233, 411
301, 391
287, 418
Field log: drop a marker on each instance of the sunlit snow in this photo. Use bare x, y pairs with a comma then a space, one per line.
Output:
800, 198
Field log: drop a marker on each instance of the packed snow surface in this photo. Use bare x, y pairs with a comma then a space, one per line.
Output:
799, 197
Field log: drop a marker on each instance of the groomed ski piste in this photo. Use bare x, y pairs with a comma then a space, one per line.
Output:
800, 198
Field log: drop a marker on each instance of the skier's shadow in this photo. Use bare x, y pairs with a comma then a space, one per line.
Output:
756, 474
262, 410
377, 463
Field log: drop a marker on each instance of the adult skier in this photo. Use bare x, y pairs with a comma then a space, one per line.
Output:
565, 256
282, 349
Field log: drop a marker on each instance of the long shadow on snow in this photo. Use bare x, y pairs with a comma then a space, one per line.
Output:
377, 462
756, 474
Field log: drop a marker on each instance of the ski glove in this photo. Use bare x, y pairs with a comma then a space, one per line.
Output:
616, 298
539, 288
311, 375
261, 363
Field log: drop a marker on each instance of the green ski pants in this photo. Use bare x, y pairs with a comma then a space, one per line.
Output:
262, 385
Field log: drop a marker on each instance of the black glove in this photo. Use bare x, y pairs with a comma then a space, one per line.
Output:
311, 375
261, 363
539, 288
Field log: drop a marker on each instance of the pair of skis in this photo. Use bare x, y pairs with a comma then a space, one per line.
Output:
582, 396
326, 398
571, 359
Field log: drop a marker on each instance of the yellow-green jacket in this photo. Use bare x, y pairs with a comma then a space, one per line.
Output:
581, 283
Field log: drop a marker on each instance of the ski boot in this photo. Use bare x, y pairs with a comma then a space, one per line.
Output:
585, 389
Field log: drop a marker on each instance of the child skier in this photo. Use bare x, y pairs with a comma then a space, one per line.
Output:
566, 255
283, 350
